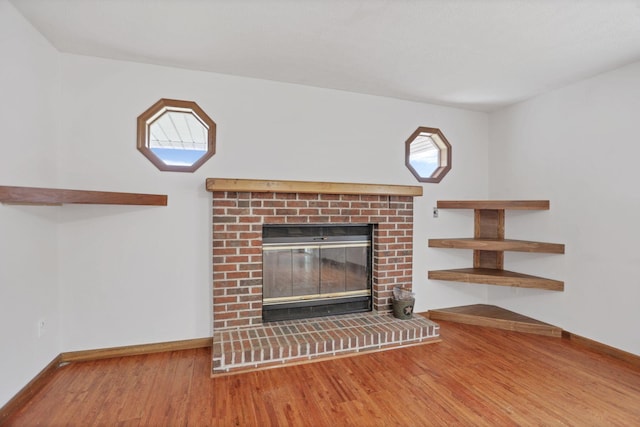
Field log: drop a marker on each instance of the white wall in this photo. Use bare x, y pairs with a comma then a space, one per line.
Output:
133, 275
579, 148
29, 78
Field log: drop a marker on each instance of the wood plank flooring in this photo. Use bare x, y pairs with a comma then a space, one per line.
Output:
476, 376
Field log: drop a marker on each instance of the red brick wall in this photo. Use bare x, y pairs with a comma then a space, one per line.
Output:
237, 243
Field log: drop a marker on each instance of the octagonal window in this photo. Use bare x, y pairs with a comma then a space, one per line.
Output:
428, 154
176, 135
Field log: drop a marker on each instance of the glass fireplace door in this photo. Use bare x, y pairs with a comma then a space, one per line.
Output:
290, 272
310, 271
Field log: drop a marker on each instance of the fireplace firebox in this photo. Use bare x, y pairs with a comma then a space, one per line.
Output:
316, 270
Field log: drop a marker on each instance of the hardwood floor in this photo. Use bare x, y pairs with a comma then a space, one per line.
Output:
476, 376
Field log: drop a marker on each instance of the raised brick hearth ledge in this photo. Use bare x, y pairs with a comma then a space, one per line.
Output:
293, 341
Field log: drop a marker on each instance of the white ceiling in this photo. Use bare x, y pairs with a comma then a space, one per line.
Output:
476, 54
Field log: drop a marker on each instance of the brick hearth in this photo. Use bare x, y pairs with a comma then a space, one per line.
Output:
276, 343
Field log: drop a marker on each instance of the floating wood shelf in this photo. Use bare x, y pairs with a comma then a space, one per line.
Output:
529, 205
265, 186
52, 196
489, 244
498, 245
492, 276
495, 317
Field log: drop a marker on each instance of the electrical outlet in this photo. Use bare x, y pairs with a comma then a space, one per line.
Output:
41, 327
435, 212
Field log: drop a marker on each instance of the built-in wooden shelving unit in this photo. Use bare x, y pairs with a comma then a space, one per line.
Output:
489, 244
53, 196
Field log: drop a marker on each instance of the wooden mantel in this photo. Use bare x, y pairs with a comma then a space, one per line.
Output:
266, 186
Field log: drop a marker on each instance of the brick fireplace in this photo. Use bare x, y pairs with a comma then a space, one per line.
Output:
241, 207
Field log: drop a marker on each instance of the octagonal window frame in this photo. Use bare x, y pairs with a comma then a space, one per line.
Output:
444, 154
159, 109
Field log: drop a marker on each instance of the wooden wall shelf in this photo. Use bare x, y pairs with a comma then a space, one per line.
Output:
528, 205
489, 244
498, 245
494, 317
55, 197
498, 277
